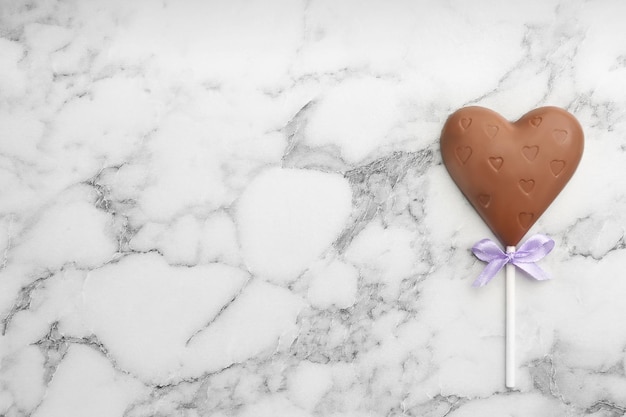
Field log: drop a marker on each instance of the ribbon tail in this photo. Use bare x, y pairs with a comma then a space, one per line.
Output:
489, 272
533, 270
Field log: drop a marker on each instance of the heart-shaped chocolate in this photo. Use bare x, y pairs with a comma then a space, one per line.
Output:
511, 172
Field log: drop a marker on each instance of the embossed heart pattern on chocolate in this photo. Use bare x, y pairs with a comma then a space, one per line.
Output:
511, 172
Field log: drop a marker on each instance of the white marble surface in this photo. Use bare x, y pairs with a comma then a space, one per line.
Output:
238, 208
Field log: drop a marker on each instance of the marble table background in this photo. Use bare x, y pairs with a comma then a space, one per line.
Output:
238, 208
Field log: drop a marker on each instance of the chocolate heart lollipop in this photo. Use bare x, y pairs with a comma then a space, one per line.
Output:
511, 172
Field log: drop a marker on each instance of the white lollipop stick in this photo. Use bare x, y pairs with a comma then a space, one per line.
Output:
509, 358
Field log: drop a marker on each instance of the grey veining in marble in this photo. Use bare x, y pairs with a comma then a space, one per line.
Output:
239, 209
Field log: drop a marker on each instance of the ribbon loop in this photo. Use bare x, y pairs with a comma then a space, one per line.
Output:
534, 249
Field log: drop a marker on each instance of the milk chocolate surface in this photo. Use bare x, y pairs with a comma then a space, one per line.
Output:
511, 172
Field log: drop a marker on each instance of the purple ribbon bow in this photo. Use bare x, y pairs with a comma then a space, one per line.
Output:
530, 252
